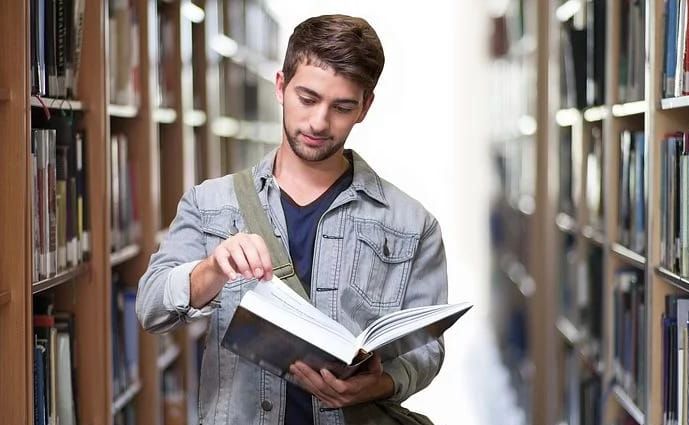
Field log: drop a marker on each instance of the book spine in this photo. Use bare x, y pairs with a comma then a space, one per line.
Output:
684, 212
52, 206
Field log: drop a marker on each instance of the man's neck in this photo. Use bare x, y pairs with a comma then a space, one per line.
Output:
303, 180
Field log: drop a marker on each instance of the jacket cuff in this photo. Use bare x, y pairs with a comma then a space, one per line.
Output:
401, 375
177, 294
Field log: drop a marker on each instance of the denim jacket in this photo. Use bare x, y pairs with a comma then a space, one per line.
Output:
377, 251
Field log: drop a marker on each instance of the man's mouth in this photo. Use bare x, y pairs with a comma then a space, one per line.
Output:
313, 140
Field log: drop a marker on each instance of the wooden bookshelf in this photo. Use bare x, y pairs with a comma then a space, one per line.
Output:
122, 111
5, 298
125, 254
629, 256
619, 111
628, 404
622, 110
53, 103
168, 357
126, 397
170, 148
60, 278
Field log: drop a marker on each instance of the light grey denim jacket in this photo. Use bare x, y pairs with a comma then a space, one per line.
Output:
377, 251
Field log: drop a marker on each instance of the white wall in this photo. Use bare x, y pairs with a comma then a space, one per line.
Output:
426, 134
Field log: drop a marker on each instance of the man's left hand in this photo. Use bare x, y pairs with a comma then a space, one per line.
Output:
370, 384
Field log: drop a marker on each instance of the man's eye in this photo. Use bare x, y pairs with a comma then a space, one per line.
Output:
343, 110
307, 101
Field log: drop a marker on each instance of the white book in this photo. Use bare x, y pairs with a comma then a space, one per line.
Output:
65, 393
274, 327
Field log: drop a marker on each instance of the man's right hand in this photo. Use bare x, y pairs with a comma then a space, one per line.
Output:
242, 254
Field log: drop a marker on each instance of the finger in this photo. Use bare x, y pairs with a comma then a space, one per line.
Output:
338, 385
375, 366
237, 257
221, 256
304, 383
253, 258
264, 255
316, 380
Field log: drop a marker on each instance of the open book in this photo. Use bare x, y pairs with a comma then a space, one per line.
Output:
274, 327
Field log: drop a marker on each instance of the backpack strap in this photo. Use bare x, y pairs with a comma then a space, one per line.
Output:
257, 222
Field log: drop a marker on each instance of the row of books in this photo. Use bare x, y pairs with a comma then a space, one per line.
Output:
571, 182
59, 218
595, 186
582, 60
674, 203
125, 337
56, 37
629, 348
167, 67
581, 291
675, 323
55, 391
123, 45
632, 50
632, 191
173, 398
125, 222
676, 60
583, 399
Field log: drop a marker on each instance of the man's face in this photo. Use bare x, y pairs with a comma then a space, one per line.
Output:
319, 110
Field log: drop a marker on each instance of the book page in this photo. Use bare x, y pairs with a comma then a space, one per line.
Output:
274, 302
404, 331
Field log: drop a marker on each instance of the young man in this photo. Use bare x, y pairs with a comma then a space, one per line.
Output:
360, 247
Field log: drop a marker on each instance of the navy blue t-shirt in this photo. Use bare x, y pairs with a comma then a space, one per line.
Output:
302, 223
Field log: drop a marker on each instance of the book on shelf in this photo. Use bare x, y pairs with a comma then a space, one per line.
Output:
632, 47
629, 327
59, 199
595, 186
675, 59
56, 28
125, 223
125, 336
632, 192
123, 45
54, 367
596, 11
271, 311
674, 203
675, 359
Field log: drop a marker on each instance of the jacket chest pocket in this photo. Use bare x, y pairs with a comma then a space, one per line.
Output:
219, 225
382, 262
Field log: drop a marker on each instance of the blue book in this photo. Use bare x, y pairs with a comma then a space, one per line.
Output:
639, 234
671, 12
40, 412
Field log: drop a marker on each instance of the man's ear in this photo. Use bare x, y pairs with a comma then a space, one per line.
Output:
280, 87
368, 100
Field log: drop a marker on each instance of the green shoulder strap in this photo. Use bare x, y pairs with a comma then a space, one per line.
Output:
257, 222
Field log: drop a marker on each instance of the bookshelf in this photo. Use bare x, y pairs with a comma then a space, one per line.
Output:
142, 150
610, 124
520, 244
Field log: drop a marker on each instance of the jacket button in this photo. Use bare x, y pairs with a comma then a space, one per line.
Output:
266, 405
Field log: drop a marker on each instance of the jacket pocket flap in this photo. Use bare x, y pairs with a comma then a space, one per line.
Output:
389, 245
221, 223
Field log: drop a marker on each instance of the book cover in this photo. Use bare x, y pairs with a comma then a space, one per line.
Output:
271, 311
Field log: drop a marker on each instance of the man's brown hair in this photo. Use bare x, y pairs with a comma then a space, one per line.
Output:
348, 45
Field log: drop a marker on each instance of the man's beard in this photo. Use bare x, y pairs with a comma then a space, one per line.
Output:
307, 153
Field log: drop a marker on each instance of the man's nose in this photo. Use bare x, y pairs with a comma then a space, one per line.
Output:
320, 122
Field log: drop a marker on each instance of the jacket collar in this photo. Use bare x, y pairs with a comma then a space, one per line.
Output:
364, 179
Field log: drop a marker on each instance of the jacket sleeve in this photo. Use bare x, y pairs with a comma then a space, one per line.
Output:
427, 285
162, 301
